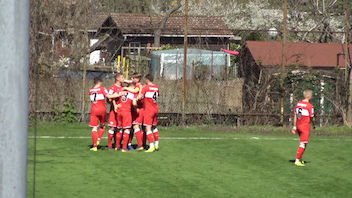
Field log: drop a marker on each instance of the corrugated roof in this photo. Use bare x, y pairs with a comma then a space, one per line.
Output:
130, 23
304, 54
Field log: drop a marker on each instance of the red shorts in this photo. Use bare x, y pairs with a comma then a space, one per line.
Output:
124, 120
137, 118
112, 119
96, 118
150, 118
303, 133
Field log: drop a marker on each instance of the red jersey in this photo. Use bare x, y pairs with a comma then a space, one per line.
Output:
97, 98
115, 89
126, 102
151, 94
304, 112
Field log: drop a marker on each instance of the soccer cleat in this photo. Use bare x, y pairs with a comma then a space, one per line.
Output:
140, 148
117, 149
150, 150
157, 147
299, 163
94, 149
124, 150
98, 142
130, 147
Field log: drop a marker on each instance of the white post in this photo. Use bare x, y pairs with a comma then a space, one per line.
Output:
322, 84
14, 67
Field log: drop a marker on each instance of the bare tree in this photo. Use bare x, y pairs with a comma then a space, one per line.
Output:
163, 9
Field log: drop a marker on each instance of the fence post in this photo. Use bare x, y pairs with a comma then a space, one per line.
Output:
14, 67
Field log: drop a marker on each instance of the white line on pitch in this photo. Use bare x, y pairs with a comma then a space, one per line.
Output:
197, 138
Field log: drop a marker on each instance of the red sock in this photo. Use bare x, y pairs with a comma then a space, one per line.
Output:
139, 137
94, 138
110, 137
150, 137
156, 134
126, 136
101, 133
118, 139
130, 139
300, 152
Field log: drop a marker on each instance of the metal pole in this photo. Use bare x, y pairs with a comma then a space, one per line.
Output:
283, 62
185, 63
14, 59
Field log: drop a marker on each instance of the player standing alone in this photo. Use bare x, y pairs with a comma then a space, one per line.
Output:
304, 113
150, 94
98, 111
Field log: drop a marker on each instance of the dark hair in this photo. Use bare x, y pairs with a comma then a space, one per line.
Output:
97, 80
137, 75
149, 77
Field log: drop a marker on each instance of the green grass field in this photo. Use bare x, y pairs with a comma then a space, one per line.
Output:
192, 162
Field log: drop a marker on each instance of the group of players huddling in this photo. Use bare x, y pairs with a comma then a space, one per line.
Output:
131, 107
135, 105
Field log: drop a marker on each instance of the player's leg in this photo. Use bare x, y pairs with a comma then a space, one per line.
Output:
148, 123
112, 123
102, 120
156, 132
130, 139
126, 124
304, 136
119, 132
139, 136
111, 134
94, 123
126, 135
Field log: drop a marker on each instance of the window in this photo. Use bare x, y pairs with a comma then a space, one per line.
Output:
134, 47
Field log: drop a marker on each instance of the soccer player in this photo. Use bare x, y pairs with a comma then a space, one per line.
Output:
114, 89
124, 118
137, 114
150, 94
98, 110
303, 115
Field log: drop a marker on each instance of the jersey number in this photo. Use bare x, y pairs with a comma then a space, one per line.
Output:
95, 96
299, 113
124, 98
155, 96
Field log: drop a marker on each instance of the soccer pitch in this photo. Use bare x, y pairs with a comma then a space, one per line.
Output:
192, 162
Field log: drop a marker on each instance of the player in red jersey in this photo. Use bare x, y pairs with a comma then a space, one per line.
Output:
304, 113
137, 114
124, 117
150, 94
98, 110
114, 89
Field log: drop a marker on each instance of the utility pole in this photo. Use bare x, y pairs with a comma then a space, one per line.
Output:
85, 62
14, 76
348, 78
185, 63
283, 62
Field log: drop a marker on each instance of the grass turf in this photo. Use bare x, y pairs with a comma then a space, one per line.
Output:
236, 165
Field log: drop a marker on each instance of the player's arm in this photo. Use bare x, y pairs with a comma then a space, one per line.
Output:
312, 121
294, 127
116, 95
134, 103
132, 90
115, 105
